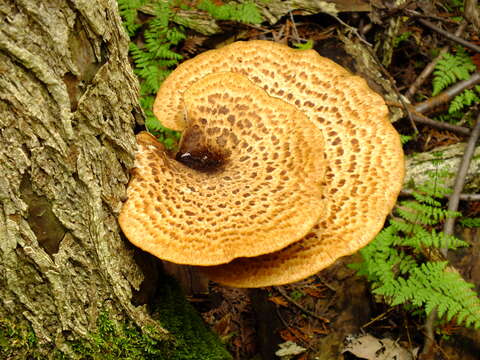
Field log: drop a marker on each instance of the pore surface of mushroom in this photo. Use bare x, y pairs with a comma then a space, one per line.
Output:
263, 193
364, 158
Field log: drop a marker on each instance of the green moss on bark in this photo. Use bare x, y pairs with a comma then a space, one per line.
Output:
192, 339
189, 338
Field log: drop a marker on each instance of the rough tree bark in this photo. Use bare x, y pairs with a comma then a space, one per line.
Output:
68, 106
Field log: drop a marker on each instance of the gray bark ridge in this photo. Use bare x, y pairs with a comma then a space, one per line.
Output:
68, 105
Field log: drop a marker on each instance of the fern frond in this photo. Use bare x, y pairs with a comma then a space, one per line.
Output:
426, 199
405, 138
467, 98
394, 262
434, 239
382, 257
246, 12
450, 69
435, 187
470, 222
406, 227
153, 63
128, 11
155, 58
431, 286
452, 118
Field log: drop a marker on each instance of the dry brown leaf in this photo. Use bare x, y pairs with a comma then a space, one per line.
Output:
320, 331
476, 61
312, 330
278, 300
299, 334
316, 293
286, 335
370, 348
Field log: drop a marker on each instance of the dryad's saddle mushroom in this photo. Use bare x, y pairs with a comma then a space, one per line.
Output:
287, 162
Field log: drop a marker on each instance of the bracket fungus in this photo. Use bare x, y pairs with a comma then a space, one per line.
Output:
263, 194
287, 162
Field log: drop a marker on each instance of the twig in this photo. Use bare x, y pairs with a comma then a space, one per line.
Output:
422, 119
379, 317
353, 30
406, 106
431, 66
463, 197
290, 326
472, 13
410, 347
449, 35
448, 94
427, 351
278, 35
294, 27
416, 14
470, 197
365, 29
300, 307
460, 180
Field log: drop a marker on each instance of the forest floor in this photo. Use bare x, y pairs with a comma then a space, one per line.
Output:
335, 310
328, 312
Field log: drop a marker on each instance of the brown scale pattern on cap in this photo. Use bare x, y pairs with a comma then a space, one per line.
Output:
364, 174
364, 177
265, 194
364, 154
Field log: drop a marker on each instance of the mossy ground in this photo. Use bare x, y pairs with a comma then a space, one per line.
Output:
190, 339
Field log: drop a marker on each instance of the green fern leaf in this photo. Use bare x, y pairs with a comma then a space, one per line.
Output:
246, 12
395, 265
450, 69
404, 138
467, 98
470, 222
128, 11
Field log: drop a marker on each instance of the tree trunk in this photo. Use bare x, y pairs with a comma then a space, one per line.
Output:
68, 106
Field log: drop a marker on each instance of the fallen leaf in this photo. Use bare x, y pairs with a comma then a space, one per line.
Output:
288, 350
287, 335
370, 348
316, 293
278, 300
320, 331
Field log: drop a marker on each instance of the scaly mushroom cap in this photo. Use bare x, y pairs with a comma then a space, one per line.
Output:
364, 154
263, 193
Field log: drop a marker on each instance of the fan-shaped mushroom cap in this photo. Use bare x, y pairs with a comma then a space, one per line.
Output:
364, 155
264, 194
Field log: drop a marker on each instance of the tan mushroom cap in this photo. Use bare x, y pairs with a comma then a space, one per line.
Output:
364, 174
265, 194
365, 159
